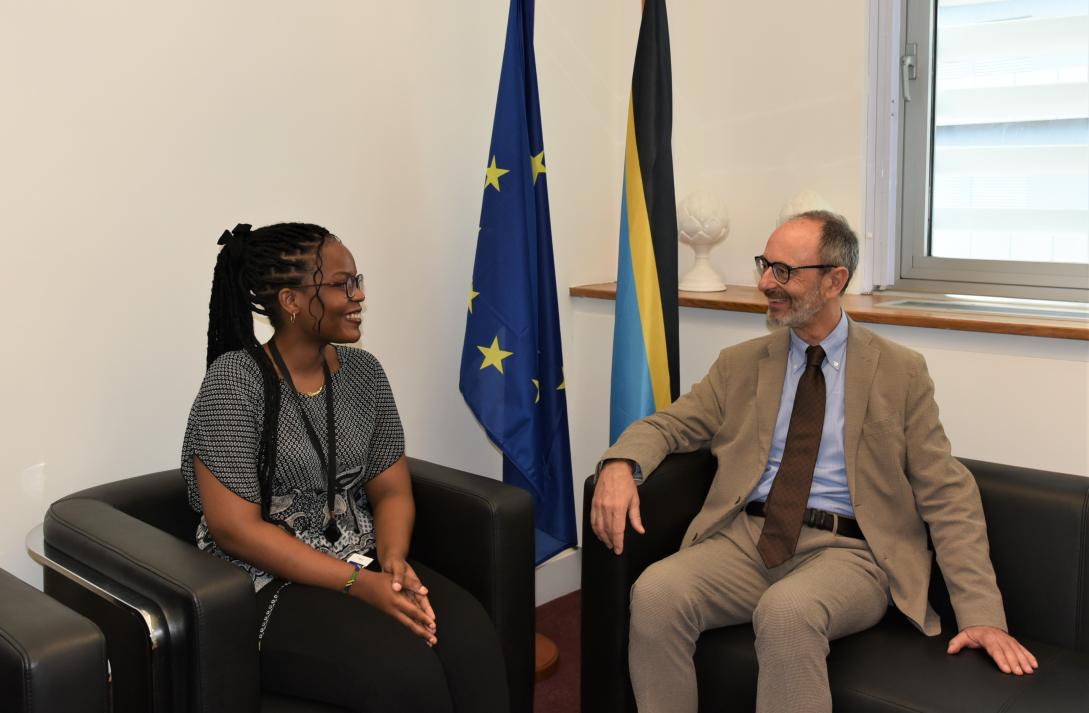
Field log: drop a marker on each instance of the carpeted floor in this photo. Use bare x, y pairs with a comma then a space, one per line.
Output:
559, 620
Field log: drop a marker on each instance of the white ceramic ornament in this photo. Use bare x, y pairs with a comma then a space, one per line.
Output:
804, 201
702, 223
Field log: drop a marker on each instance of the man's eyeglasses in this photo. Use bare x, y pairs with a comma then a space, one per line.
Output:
349, 286
780, 270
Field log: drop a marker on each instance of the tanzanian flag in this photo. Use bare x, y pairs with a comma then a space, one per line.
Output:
512, 360
645, 376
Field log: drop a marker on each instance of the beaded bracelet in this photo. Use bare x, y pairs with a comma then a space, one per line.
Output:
351, 579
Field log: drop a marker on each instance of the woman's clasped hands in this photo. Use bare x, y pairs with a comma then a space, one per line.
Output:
398, 592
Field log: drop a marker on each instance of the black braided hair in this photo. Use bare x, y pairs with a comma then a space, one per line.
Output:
252, 267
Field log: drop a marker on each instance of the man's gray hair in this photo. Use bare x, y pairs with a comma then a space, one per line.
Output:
839, 244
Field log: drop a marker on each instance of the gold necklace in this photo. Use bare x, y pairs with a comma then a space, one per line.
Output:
313, 393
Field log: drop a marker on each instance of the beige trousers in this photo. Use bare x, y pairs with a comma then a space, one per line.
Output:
830, 588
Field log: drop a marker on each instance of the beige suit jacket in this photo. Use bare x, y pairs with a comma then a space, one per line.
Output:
900, 470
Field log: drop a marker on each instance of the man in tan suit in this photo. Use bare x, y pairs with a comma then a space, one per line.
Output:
883, 469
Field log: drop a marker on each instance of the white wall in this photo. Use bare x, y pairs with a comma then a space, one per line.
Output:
134, 133
770, 99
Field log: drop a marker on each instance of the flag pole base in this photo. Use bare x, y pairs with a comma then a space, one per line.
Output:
547, 657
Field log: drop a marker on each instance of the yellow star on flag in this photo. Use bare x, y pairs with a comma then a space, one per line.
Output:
472, 296
538, 385
493, 355
493, 174
563, 384
538, 166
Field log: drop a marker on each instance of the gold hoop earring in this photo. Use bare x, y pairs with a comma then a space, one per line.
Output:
293, 314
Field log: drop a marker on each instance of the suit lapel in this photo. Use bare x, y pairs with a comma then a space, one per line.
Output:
862, 360
769, 388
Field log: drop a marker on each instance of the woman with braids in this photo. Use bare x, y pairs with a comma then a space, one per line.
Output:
294, 456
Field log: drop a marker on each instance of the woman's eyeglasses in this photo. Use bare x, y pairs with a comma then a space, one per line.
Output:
349, 285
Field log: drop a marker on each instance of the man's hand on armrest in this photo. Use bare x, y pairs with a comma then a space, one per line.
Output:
1006, 651
616, 499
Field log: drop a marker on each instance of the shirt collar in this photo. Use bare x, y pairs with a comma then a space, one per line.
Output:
834, 345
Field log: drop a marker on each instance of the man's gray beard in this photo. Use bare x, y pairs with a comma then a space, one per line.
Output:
800, 311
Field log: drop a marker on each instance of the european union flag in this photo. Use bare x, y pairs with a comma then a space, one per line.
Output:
512, 361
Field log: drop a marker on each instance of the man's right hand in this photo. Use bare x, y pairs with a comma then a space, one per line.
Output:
616, 499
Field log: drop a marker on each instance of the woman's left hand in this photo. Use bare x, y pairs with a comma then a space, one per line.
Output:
405, 580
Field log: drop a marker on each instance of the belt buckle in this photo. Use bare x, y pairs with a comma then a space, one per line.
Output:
835, 523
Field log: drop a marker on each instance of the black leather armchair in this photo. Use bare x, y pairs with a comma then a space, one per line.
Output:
51, 658
181, 625
1038, 525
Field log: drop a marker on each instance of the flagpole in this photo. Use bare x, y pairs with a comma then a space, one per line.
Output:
511, 373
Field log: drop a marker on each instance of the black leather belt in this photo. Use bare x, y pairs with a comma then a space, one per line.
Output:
836, 524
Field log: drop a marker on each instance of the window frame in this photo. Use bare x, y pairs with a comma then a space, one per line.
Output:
916, 270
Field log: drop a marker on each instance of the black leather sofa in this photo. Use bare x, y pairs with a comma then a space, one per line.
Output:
181, 625
1038, 524
51, 658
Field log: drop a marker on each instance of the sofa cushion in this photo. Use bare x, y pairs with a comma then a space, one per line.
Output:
895, 668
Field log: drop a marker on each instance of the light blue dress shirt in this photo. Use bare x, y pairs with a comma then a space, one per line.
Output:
829, 491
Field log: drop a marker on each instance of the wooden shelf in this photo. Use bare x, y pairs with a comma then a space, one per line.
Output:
873, 309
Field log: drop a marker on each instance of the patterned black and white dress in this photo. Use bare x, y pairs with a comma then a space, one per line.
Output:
224, 429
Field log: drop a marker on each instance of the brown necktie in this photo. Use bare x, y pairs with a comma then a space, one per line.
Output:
790, 490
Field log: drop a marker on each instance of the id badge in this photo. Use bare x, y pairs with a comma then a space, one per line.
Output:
360, 559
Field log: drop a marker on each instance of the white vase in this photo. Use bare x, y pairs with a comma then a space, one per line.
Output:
702, 223
805, 200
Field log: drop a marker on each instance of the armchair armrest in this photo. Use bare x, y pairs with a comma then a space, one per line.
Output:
51, 658
186, 598
668, 501
479, 533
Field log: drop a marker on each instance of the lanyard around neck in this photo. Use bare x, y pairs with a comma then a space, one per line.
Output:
329, 463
